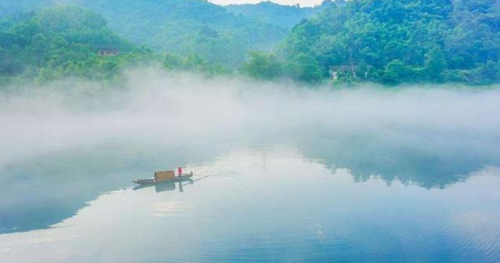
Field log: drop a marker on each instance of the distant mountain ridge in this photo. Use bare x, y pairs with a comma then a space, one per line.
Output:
178, 26
281, 15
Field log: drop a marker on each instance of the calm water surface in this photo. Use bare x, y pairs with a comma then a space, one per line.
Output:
292, 203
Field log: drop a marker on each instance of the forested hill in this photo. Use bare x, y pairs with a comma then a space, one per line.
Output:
389, 42
398, 41
60, 42
280, 15
179, 26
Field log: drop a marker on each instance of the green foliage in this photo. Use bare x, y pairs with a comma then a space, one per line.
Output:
62, 42
389, 42
396, 72
281, 15
488, 73
304, 67
267, 67
403, 41
435, 64
181, 27
193, 63
185, 27
262, 66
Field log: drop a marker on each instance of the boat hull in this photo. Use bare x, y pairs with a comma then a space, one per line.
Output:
153, 181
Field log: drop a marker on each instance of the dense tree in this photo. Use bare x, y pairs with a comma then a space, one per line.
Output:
262, 66
403, 41
194, 63
281, 15
390, 42
181, 27
304, 67
396, 72
59, 42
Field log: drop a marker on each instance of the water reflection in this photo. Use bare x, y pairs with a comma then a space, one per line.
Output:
170, 185
78, 176
430, 163
41, 191
294, 210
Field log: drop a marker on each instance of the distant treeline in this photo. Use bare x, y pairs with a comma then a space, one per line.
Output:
388, 42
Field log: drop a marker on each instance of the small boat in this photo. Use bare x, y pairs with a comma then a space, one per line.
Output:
164, 176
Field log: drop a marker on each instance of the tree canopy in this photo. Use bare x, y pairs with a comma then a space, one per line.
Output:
281, 15
64, 41
401, 41
389, 42
181, 27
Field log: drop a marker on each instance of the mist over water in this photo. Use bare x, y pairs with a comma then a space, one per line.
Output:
186, 109
294, 173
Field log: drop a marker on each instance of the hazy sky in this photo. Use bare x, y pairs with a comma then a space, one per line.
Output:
283, 2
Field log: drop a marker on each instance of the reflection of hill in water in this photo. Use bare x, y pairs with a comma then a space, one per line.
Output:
43, 190
424, 164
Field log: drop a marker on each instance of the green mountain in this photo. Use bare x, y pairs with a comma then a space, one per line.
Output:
389, 42
281, 15
181, 27
62, 41
398, 41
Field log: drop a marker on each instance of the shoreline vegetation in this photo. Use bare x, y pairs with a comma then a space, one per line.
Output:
341, 44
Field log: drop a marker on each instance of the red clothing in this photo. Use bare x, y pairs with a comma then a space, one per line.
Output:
179, 171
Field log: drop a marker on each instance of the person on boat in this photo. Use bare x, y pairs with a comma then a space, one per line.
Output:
179, 171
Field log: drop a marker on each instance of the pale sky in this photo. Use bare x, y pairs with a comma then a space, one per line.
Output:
283, 2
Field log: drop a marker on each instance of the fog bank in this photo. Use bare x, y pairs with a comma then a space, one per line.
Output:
191, 111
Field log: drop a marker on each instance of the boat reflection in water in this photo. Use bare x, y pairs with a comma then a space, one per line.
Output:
170, 185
